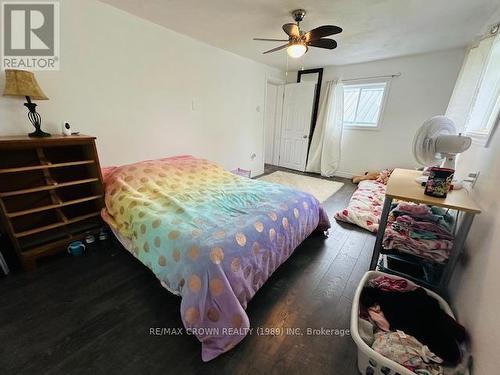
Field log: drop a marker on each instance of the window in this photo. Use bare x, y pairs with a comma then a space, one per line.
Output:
475, 103
363, 104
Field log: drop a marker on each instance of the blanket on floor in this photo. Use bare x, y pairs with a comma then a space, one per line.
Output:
365, 207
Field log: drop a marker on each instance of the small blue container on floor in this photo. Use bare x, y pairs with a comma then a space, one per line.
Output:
76, 248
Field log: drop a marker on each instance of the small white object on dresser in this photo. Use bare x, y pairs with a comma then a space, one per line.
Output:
66, 128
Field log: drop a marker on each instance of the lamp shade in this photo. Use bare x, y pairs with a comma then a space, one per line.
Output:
22, 83
296, 50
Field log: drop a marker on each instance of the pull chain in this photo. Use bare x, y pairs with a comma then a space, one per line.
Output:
286, 71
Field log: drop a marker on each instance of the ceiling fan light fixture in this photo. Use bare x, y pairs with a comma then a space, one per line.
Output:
296, 50
299, 41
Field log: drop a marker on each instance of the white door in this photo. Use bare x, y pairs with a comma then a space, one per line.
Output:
272, 118
296, 124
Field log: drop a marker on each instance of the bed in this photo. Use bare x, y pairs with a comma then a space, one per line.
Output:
209, 236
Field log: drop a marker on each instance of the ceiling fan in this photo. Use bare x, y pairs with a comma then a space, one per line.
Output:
299, 40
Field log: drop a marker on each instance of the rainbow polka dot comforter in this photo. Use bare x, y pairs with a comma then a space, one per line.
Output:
209, 236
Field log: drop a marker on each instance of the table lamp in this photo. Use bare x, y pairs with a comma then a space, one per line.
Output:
23, 83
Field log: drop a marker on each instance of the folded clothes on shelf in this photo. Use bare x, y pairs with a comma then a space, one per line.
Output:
420, 230
435, 250
424, 230
422, 212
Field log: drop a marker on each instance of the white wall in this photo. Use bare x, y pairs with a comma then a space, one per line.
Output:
475, 294
422, 91
131, 83
475, 286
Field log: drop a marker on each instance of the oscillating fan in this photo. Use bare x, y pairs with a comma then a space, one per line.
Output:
437, 143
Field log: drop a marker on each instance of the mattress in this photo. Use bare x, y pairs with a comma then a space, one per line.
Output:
209, 236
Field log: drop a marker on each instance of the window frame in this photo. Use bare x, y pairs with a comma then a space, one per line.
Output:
369, 82
479, 137
482, 138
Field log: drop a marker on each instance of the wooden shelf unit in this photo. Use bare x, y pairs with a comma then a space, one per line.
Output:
45, 166
49, 186
52, 206
402, 185
51, 193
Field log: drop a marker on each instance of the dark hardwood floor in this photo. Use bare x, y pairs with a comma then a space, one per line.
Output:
93, 314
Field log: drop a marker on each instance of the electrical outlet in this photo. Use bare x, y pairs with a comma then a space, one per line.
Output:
472, 178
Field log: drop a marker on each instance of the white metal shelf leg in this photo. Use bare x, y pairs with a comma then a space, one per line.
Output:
458, 246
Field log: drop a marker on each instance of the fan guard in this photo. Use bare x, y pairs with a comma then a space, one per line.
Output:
424, 143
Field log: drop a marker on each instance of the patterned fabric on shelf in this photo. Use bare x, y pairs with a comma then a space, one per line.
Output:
419, 230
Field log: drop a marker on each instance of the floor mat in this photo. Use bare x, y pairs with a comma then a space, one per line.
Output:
320, 188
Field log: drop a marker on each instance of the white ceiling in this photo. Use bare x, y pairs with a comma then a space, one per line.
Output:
373, 29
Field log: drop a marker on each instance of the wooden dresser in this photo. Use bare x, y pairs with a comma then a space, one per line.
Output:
51, 193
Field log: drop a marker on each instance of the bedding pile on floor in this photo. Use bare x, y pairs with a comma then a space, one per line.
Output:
403, 323
210, 236
365, 206
420, 230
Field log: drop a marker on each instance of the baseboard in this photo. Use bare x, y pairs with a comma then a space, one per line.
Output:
257, 173
344, 174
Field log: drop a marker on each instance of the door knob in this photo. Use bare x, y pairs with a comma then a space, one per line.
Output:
305, 136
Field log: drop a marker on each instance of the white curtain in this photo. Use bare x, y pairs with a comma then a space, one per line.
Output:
324, 153
468, 84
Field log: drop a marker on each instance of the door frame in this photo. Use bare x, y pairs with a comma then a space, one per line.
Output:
277, 125
317, 94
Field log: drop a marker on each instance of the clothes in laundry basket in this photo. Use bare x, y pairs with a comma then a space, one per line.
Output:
391, 284
407, 351
419, 315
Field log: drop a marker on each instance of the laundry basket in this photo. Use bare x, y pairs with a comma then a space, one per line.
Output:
369, 361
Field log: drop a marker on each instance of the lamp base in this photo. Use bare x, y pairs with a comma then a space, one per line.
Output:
39, 133
35, 119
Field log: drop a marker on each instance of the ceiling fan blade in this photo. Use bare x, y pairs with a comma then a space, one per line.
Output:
276, 49
271, 40
291, 29
323, 43
321, 32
